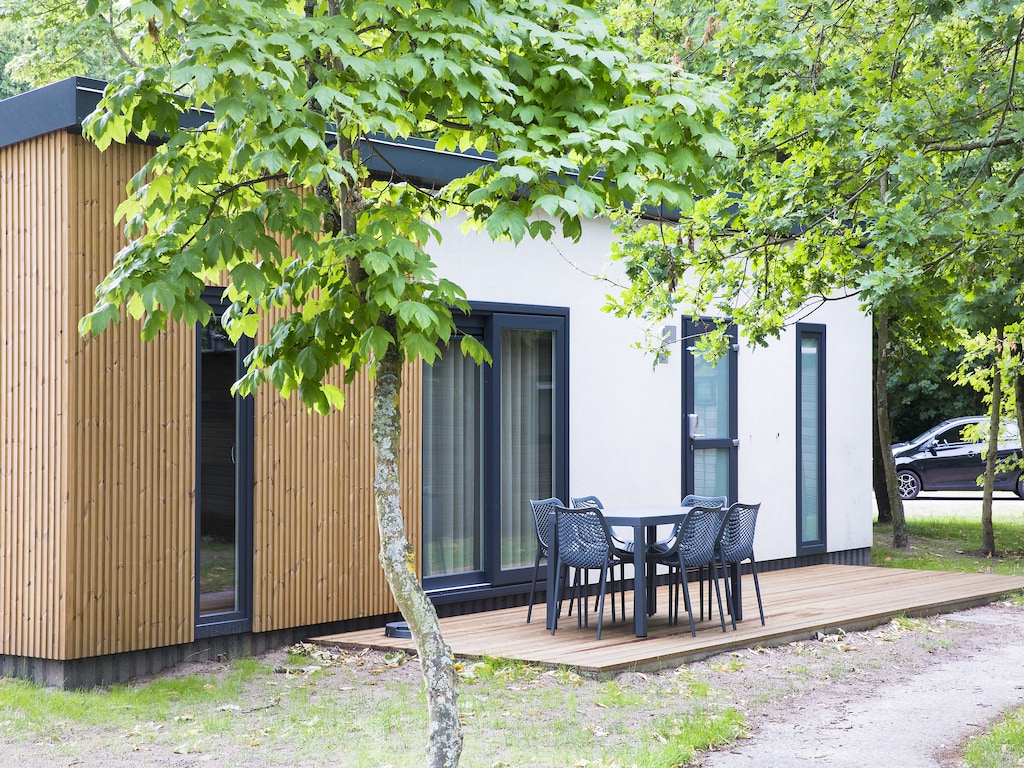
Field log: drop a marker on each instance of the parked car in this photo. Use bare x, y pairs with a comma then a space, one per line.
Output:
943, 459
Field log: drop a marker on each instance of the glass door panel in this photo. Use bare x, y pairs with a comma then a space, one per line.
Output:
710, 441
218, 508
453, 487
527, 437
711, 472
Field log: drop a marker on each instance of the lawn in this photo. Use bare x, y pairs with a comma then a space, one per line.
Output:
953, 543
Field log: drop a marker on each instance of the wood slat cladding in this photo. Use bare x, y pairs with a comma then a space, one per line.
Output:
33, 530
130, 418
315, 535
98, 452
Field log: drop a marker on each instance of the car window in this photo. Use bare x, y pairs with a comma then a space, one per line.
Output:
951, 436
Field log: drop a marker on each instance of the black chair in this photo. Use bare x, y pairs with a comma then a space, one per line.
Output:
542, 510
736, 545
710, 502
624, 549
692, 546
584, 543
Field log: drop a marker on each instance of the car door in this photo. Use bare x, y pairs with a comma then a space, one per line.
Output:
950, 462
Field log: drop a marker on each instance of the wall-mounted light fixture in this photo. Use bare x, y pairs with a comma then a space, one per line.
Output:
668, 336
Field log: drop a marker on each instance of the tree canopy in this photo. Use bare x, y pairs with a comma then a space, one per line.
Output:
879, 154
269, 193
49, 40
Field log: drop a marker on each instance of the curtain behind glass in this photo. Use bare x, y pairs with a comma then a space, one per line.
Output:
810, 431
452, 465
527, 438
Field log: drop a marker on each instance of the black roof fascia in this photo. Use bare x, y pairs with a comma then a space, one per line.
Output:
60, 106
64, 105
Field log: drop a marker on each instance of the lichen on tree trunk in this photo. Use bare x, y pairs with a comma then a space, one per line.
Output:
398, 561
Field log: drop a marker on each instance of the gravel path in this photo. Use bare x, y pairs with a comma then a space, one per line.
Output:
920, 718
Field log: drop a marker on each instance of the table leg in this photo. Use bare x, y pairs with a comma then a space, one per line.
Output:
735, 575
552, 602
641, 599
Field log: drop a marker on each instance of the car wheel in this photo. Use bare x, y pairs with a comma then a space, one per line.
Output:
909, 484
1019, 489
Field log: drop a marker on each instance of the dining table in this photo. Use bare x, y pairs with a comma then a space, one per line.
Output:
644, 522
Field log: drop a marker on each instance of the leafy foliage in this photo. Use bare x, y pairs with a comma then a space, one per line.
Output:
879, 156
49, 40
272, 188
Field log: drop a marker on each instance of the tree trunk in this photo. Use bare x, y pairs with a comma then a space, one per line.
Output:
398, 560
1018, 391
988, 536
899, 522
878, 451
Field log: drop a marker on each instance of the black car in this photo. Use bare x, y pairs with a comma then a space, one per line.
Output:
943, 459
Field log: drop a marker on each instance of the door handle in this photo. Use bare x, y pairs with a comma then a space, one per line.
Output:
692, 420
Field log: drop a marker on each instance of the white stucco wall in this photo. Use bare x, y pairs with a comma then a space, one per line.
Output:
626, 414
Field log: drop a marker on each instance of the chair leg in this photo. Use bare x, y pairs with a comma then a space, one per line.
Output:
558, 596
686, 598
729, 596
600, 610
533, 587
713, 571
757, 589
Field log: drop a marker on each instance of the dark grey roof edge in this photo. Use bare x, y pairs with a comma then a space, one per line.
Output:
64, 105
60, 106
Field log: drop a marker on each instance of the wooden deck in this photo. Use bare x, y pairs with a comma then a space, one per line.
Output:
798, 603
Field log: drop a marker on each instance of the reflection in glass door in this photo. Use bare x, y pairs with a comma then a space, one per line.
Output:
527, 437
710, 425
224, 498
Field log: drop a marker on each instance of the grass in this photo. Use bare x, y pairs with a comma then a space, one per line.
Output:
326, 702
954, 544
1002, 747
951, 544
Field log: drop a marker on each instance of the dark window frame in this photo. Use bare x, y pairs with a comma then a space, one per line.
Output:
239, 620
485, 321
820, 544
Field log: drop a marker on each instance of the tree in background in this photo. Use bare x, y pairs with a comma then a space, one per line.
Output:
48, 40
879, 157
274, 193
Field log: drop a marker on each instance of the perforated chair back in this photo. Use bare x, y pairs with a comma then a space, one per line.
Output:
705, 501
735, 545
698, 537
737, 536
542, 510
587, 501
584, 540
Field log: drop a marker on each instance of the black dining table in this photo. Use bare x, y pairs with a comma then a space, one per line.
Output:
644, 521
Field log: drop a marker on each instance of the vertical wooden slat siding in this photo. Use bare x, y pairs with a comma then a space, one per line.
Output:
33, 533
97, 446
132, 442
315, 530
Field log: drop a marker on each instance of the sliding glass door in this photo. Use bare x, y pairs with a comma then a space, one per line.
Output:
494, 438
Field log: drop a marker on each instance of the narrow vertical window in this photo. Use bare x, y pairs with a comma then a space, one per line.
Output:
224, 456
810, 432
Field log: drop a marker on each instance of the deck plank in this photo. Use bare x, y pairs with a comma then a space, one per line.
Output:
798, 602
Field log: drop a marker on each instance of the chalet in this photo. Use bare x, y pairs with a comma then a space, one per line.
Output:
146, 516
